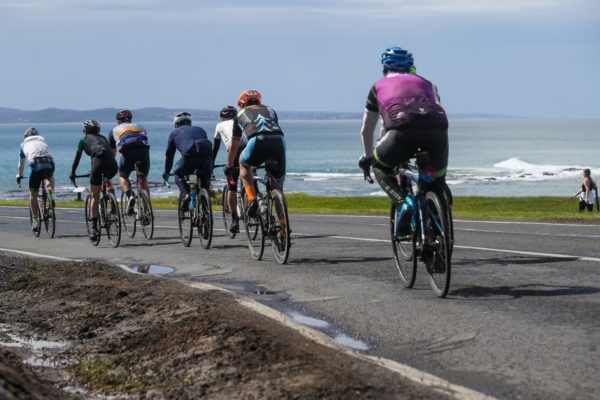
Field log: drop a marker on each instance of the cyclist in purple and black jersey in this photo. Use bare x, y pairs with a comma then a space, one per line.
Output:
413, 120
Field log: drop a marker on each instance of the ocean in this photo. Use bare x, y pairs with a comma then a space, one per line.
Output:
488, 157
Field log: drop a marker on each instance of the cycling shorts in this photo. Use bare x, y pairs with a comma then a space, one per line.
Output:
106, 166
199, 164
266, 147
42, 168
132, 154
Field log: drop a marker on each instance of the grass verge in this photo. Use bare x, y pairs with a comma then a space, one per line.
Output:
544, 208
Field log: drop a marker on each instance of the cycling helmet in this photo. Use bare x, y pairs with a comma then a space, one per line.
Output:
30, 132
228, 112
91, 126
396, 59
124, 115
181, 117
249, 97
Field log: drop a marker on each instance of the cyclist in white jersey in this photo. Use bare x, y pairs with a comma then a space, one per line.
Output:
224, 132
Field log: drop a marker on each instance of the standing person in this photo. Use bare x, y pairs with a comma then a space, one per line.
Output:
413, 120
34, 149
132, 142
196, 154
260, 125
103, 163
587, 194
224, 132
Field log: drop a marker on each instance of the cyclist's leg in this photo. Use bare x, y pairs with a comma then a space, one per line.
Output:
233, 183
184, 166
434, 140
277, 152
204, 163
144, 158
247, 161
126, 165
35, 180
394, 148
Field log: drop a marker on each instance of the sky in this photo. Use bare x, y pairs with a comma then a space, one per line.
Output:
530, 58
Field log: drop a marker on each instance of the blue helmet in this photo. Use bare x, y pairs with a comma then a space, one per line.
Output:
396, 59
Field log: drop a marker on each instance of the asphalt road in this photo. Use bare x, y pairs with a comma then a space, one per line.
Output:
521, 320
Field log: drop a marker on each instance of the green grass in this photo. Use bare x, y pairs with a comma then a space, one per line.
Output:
474, 207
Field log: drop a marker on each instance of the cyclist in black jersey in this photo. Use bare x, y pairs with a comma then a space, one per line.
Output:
259, 123
103, 163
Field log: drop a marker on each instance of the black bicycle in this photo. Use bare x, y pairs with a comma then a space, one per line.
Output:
142, 211
46, 210
109, 216
421, 229
271, 217
197, 213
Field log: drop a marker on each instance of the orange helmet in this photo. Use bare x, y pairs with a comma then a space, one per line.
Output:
249, 96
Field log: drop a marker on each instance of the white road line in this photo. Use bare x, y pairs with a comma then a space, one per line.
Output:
36, 255
566, 235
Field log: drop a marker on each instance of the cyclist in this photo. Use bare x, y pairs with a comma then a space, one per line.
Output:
132, 142
412, 120
196, 154
103, 163
34, 149
260, 125
224, 131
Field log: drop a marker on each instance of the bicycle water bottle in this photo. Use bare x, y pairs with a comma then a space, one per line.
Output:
405, 217
193, 200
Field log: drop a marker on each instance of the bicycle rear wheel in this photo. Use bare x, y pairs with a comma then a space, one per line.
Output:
450, 222
129, 221
112, 219
255, 231
436, 254
184, 220
227, 214
279, 226
404, 248
205, 219
49, 216
88, 220
145, 214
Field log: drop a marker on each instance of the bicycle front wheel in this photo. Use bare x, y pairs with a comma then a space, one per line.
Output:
205, 219
145, 214
88, 219
112, 219
128, 219
279, 226
404, 248
184, 220
49, 216
436, 248
227, 214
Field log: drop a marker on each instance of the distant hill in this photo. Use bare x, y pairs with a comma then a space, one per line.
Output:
159, 114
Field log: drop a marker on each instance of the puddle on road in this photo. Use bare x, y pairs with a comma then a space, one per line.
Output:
152, 269
330, 330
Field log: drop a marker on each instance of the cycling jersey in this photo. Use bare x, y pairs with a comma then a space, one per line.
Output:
103, 162
126, 135
224, 131
35, 150
256, 120
401, 98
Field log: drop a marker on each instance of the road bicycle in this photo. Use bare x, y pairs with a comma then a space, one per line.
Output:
196, 214
46, 209
109, 217
271, 218
421, 229
142, 211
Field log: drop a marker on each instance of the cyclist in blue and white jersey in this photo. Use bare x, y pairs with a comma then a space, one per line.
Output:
34, 149
131, 140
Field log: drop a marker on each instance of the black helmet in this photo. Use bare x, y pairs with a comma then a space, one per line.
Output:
124, 115
91, 126
228, 112
30, 132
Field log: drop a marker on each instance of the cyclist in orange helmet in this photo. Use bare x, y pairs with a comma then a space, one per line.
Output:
260, 125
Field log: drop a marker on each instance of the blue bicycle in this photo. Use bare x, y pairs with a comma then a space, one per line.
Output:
421, 229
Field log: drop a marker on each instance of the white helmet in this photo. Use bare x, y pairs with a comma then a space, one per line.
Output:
180, 117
